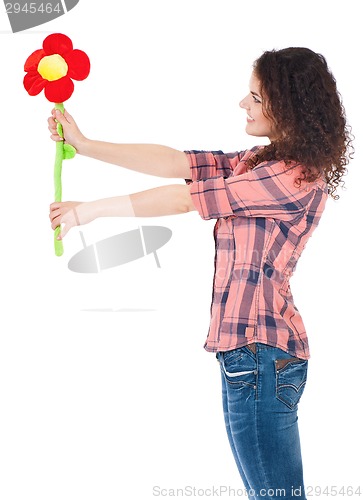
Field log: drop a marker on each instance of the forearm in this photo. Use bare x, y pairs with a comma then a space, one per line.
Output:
151, 159
160, 201
163, 200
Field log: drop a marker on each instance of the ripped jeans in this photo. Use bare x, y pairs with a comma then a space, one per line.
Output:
261, 388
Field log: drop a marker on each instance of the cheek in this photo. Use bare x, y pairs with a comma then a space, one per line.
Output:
264, 121
259, 116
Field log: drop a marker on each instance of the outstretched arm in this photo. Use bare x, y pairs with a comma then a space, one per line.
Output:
163, 200
151, 159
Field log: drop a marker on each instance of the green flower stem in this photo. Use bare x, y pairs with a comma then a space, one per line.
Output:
58, 244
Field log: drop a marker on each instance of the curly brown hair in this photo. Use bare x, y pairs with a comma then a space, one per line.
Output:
300, 96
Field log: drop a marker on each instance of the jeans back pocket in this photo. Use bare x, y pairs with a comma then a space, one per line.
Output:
291, 375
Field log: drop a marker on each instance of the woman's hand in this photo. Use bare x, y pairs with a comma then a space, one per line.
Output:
71, 132
70, 213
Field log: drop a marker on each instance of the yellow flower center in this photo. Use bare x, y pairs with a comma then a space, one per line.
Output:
52, 67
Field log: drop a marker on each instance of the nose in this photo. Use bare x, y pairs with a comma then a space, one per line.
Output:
244, 104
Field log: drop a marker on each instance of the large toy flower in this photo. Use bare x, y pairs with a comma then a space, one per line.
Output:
53, 67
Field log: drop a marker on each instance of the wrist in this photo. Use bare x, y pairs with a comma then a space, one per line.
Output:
82, 145
86, 212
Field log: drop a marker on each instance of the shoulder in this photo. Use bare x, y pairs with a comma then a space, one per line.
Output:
249, 153
289, 173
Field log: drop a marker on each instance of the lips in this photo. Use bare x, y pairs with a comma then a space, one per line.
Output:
250, 119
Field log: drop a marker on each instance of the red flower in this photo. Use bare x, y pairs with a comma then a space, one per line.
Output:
53, 67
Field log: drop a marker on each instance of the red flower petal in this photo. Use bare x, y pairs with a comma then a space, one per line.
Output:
59, 90
57, 44
78, 64
33, 60
34, 83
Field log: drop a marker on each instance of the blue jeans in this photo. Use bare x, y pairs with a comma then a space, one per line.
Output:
261, 388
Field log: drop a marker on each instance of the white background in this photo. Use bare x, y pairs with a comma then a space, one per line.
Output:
105, 389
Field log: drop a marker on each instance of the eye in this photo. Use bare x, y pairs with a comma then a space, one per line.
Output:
255, 99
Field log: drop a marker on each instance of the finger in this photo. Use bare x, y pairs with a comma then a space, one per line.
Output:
51, 122
52, 126
55, 204
60, 236
55, 214
68, 223
63, 118
68, 117
59, 116
56, 138
57, 217
64, 231
63, 204
56, 222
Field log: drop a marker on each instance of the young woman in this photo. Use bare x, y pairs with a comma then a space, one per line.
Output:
267, 202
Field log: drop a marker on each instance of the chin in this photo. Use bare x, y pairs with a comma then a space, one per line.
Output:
252, 133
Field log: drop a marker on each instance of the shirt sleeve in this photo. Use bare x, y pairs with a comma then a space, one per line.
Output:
269, 190
207, 164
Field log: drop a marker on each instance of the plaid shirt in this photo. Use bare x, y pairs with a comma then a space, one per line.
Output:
263, 223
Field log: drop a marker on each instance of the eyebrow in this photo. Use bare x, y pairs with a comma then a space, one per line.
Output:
254, 93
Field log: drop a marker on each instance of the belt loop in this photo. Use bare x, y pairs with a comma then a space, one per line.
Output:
252, 347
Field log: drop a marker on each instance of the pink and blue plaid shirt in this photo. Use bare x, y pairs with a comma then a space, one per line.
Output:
264, 221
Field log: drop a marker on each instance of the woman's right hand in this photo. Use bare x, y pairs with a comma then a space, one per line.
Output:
71, 132
71, 214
